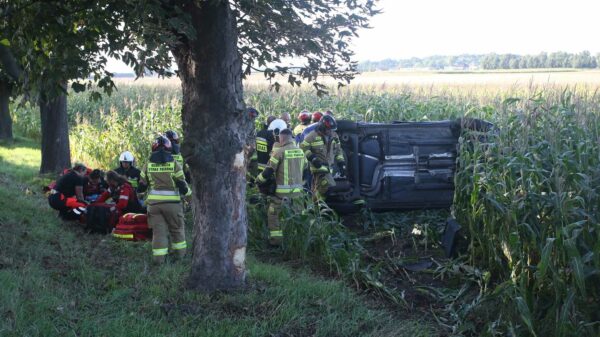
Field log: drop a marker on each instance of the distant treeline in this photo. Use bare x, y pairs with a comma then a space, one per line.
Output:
489, 61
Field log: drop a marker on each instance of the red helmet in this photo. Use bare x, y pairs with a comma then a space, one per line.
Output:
161, 142
316, 116
327, 123
304, 116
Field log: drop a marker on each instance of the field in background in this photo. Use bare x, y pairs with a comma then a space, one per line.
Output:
489, 78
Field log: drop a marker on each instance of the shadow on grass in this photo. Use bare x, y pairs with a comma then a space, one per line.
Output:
57, 280
20, 142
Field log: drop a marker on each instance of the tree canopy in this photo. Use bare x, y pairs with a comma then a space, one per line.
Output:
214, 43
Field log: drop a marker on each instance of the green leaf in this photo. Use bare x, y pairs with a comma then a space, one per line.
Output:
577, 266
5, 42
545, 260
525, 313
78, 87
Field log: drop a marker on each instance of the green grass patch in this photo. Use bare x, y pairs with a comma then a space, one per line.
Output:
58, 280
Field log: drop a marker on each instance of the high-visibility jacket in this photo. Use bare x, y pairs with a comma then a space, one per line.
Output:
264, 146
178, 158
165, 179
287, 162
299, 128
132, 174
327, 149
176, 154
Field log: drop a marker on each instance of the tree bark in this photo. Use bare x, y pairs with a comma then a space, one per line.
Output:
6, 132
56, 154
215, 128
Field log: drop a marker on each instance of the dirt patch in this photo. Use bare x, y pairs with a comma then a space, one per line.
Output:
401, 254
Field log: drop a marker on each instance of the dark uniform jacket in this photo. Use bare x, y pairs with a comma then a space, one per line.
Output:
264, 146
132, 174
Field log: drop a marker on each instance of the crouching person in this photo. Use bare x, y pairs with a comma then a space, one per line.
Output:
122, 193
94, 185
166, 184
67, 196
284, 168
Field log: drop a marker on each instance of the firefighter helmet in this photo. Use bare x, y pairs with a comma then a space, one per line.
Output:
276, 126
316, 116
173, 136
161, 142
327, 123
126, 156
304, 117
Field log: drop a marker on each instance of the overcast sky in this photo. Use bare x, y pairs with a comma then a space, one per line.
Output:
450, 27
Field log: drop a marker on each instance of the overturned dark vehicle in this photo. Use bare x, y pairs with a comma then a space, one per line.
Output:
399, 165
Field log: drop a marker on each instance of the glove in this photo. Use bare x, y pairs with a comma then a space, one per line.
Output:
316, 162
342, 168
267, 188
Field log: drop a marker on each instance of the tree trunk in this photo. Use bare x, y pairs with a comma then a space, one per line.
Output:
56, 154
5, 119
215, 128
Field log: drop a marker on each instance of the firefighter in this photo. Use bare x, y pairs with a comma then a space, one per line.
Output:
67, 195
315, 118
314, 121
322, 150
166, 184
127, 168
264, 145
284, 173
122, 193
176, 152
304, 118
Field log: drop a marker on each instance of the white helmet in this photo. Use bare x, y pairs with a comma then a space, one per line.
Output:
126, 156
277, 125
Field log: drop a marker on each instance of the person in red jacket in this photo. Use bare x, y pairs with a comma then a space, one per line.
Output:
122, 193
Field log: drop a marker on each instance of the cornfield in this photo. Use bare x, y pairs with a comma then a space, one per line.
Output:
527, 196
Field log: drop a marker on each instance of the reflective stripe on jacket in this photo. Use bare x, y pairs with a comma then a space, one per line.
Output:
327, 149
287, 161
264, 146
178, 158
162, 179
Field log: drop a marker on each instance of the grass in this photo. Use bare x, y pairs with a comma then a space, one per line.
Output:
58, 280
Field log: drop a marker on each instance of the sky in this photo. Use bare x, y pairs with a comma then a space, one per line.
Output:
420, 28
408, 28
